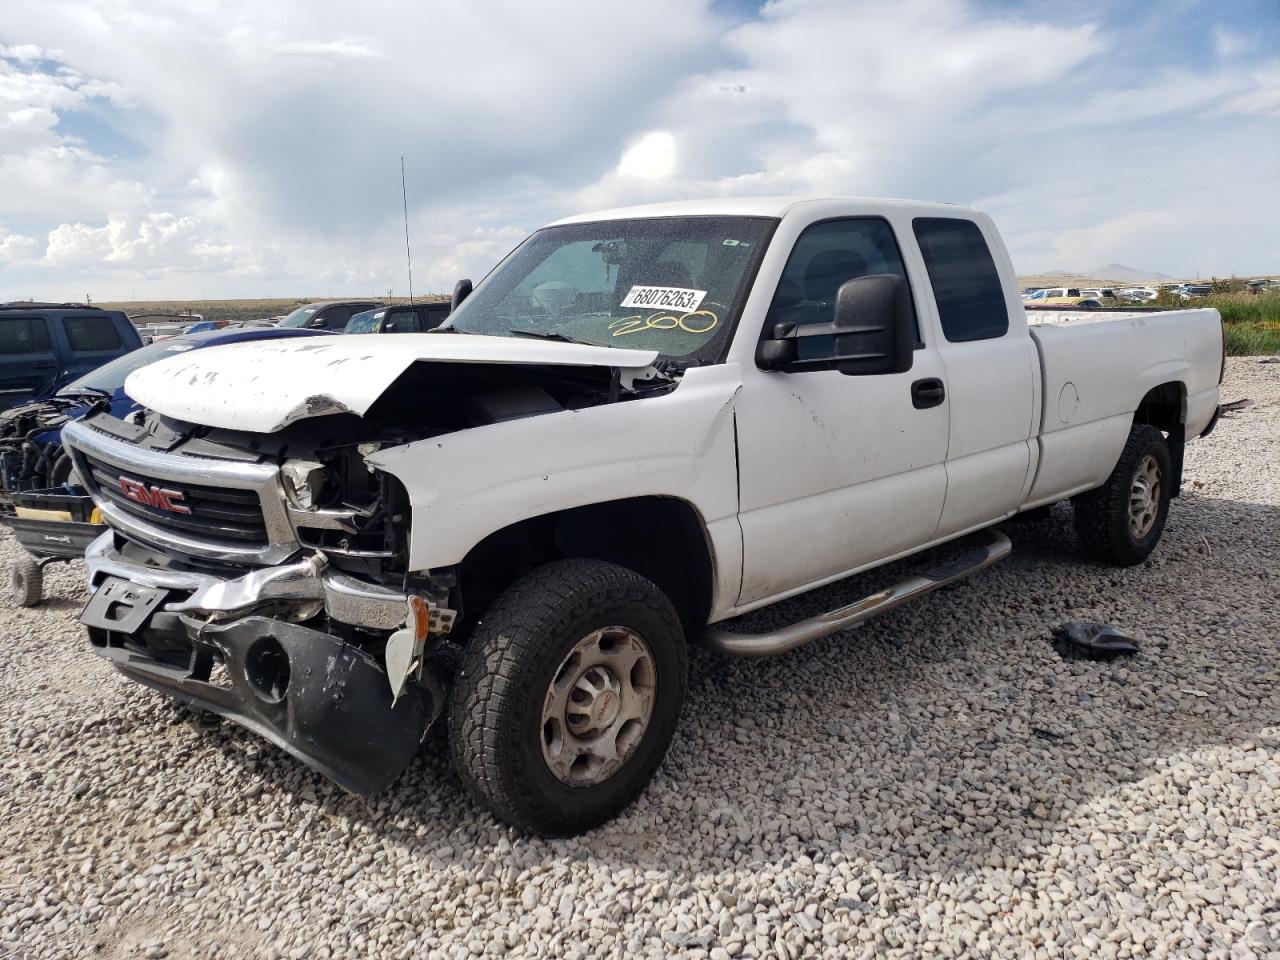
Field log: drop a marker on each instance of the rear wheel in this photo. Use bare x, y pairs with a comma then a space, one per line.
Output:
26, 582
568, 696
1120, 522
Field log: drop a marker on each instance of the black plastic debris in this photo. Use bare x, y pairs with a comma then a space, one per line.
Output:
1236, 405
1086, 640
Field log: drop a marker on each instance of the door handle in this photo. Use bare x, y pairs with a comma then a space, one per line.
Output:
928, 392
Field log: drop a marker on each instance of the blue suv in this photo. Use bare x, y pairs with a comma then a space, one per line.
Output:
43, 346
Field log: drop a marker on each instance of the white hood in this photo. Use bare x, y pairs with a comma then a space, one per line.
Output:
264, 385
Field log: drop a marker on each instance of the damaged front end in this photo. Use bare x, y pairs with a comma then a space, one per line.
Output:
265, 575
267, 588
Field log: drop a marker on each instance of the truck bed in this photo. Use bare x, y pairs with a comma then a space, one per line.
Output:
1096, 366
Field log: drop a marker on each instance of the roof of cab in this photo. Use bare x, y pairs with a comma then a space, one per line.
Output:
743, 207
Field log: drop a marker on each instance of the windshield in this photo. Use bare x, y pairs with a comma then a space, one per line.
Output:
672, 284
299, 317
368, 322
110, 377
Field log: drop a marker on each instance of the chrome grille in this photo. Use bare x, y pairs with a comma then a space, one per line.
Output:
237, 509
222, 513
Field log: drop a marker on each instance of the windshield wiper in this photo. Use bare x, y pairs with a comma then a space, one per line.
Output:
84, 391
552, 335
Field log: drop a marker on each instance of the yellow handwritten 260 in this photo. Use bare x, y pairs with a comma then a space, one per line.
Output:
699, 321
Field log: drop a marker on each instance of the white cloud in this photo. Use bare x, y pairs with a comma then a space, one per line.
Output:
249, 148
15, 248
1228, 43
342, 48
1262, 97
652, 157
25, 52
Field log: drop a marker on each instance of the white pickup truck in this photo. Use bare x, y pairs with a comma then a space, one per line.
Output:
641, 424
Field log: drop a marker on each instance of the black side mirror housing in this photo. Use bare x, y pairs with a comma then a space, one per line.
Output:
871, 329
461, 290
874, 324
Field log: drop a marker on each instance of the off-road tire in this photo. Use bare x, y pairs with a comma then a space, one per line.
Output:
496, 706
1102, 515
26, 583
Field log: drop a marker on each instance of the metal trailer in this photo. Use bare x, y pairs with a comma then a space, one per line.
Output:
53, 526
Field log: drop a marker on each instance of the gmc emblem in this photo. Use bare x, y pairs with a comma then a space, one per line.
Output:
157, 497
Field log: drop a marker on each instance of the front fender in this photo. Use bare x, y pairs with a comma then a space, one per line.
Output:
464, 486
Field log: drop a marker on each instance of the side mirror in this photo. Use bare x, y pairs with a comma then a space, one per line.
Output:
876, 332
461, 290
871, 331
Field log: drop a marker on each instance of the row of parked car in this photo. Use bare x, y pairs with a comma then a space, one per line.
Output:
1096, 297
338, 316
59, 362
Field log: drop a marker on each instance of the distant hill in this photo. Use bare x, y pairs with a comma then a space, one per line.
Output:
1110, 273
1118, 271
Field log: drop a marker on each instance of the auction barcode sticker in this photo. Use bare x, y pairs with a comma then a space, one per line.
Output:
663, 298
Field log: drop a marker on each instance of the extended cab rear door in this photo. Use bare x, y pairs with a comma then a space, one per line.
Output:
992, 370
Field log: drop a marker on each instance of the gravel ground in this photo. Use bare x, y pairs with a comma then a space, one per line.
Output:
939, 782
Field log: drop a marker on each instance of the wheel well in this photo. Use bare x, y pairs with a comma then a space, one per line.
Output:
1164, 407
660, 538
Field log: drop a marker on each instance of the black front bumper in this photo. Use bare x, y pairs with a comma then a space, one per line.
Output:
312, 694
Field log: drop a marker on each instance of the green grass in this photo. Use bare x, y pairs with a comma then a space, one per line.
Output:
1252, 340
1252, 322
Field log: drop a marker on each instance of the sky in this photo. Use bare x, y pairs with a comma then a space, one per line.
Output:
157, 149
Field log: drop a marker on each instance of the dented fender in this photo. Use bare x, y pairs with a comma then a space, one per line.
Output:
466, 485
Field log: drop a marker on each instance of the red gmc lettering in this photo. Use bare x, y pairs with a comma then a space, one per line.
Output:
158, 497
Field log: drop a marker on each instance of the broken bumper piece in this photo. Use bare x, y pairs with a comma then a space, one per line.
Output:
310, 693
305, 585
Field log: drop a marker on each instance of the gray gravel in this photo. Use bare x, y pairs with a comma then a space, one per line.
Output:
937, 783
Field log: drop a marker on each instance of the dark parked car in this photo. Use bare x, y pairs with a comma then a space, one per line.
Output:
31, 454
43, 346
327, 314
402, 318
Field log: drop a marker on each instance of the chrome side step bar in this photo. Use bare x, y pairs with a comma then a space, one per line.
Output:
992, 547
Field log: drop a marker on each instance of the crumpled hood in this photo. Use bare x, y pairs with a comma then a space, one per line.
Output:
263, 386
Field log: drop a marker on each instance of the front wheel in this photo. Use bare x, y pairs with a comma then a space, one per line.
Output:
568, 696
1120, 522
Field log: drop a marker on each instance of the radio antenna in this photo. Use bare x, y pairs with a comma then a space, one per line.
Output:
404, 195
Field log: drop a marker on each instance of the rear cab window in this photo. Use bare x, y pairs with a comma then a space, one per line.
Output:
966, 285
20, 335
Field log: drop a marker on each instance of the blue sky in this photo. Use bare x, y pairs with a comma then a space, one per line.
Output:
228, 149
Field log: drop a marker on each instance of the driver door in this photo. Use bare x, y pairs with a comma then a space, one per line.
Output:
836, 471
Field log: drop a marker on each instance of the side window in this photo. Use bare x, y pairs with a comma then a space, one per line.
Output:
434, 315
86, 334
965, 283
334, 318
402, 321
824, 257
23, 335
